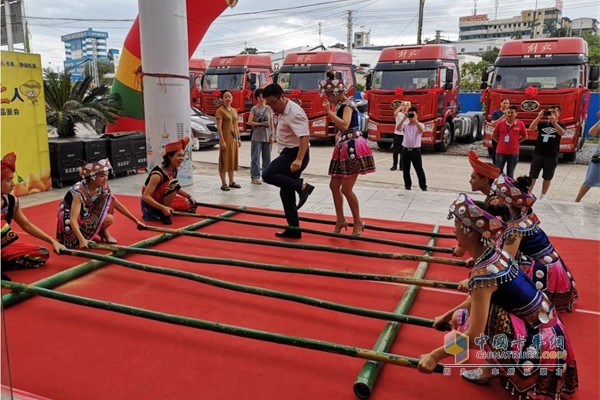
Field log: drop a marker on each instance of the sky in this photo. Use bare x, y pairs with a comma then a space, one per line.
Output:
269, 25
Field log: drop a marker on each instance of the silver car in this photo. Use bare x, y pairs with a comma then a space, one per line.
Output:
204, 130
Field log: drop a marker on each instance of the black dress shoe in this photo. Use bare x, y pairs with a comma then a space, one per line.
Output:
288, 233
393, 168
308, 189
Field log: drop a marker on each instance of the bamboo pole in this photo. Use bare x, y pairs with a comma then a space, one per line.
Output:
258, 291
279, 268
244, 210
322, 233
368, 375
221, 328
316, 247
77, 271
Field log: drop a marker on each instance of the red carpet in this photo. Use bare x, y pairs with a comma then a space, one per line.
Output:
62, 351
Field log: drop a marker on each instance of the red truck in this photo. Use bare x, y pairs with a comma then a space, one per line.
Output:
428, 77
197, 70
299, 77
241, 74
535, 74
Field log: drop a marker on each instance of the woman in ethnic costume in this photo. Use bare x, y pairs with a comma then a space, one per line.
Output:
530, 245
87, 209
516, 324
17, 253
162, 193
351, 155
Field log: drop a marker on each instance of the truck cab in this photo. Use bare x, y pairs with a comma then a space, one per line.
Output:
241, 74
536, 74
299, 77
425, 75
197, 70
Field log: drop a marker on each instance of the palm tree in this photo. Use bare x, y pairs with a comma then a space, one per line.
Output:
68, 103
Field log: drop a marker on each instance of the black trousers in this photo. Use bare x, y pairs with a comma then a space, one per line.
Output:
397, 148
278, 174
413, 156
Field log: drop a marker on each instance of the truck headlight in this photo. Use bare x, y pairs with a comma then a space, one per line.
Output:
371, 126
569, 132
489, 129
428, 126
319, 123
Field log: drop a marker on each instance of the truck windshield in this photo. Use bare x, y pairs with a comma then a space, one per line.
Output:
407, 79
543, 77
300, 80
223, 81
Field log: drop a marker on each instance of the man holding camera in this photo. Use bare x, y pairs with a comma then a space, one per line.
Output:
547, 147
411, 148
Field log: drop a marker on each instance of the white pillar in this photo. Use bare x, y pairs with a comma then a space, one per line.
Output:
164, 48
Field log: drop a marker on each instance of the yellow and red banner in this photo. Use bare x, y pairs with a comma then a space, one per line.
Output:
23, 120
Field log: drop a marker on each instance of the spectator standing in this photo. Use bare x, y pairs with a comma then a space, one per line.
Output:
592, 177
399, 113
509, 133
261, 121
284, 171
547, 147
411, 149
229, 140
498, 116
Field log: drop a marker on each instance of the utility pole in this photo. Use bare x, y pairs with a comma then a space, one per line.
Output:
349, 37
420, 25
534, 20
496, 4
438, 36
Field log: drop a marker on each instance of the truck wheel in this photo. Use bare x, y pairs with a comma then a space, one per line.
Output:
384, 145
471, 133
569, 157
446, 139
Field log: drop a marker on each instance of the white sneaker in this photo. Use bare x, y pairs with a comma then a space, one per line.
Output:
542, 196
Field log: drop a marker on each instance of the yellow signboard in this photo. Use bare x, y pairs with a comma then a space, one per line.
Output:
23, 120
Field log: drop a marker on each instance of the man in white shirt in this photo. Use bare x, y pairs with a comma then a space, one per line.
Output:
284, 171
411, 151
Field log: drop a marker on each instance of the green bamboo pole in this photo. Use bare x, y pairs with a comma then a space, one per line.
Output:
368, 375
279, 268
244, 210
316, 247
258, 291
77, 271
322, 233
227, 329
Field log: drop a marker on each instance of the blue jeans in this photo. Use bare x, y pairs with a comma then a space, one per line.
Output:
510, 160
278, 174
258, 149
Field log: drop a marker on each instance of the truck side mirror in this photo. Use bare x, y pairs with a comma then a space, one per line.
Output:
368, 80
594, 76
449, 78
252, 80
485, 76
275, 77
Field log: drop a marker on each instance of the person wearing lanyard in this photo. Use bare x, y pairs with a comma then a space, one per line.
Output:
509, 134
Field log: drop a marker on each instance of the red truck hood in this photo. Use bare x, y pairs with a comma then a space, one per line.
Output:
211, 101
310, 101
383, 102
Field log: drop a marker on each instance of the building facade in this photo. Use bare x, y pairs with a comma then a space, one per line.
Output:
361, 39
530, 23
81, 48
582, 26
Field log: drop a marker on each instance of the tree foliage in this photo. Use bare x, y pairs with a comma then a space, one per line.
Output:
470, 75
250, 50
68, 103
593, 42
491, 55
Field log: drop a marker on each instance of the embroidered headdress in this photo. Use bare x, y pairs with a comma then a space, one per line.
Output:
176, 146
484, 169
506, 189
8, 164
93, 168
474, 217
331, 85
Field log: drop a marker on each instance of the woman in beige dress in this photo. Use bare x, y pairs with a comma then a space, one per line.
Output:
229, 140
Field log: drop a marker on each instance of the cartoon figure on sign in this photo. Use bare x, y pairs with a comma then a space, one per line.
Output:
31, 89
4, 100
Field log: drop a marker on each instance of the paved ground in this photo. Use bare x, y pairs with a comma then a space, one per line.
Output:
382, 194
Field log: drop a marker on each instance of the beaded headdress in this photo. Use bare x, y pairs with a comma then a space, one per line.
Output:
96, 167
176, 146
334, 86
8, 164
474, 217
506, 189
